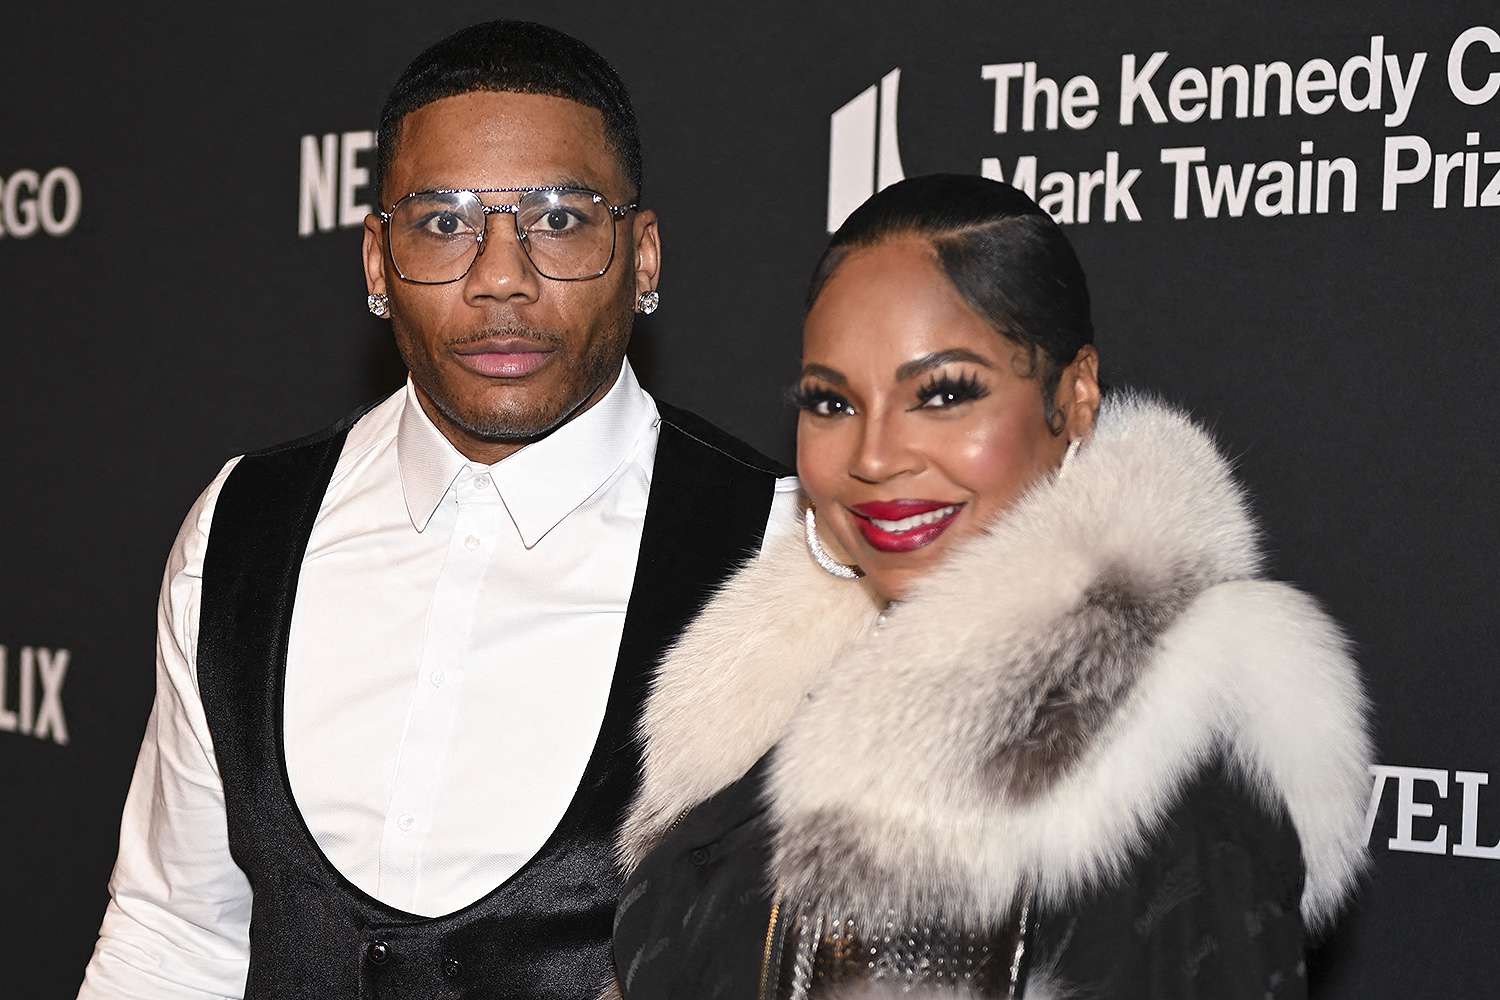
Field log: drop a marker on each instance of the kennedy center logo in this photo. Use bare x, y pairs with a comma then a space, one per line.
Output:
863, 154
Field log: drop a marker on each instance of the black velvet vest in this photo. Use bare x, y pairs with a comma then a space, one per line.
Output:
544, 933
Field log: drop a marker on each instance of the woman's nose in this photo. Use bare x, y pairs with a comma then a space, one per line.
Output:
882, 452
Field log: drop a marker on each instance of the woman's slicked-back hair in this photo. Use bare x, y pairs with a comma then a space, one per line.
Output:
1006, 257
517, 57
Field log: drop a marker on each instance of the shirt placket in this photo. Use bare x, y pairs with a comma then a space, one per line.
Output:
437, 691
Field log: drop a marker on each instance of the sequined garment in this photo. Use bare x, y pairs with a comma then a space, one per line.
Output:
821, 952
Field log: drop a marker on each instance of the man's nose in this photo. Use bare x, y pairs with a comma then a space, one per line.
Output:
502, 270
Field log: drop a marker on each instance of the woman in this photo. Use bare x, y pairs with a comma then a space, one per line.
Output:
1016, 716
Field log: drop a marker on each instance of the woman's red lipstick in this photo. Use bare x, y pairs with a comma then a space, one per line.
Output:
903, 525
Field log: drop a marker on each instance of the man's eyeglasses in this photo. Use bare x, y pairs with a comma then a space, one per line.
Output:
568, 233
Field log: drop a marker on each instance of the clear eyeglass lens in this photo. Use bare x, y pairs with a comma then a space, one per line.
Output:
567, 234
435, 237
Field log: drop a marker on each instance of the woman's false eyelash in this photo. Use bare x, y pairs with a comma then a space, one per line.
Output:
811, 397
955, 388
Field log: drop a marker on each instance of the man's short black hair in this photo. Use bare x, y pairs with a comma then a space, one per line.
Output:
516, 57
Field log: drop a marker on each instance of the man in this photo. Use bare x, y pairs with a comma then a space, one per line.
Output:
400, 661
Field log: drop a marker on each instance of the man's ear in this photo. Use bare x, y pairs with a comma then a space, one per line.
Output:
374, 251
647, 239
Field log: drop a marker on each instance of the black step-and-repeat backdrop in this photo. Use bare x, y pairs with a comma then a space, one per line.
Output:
1288, 215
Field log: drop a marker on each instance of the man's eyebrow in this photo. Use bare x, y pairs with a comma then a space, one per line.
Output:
937, 359
825, 373
565, 181
571, 181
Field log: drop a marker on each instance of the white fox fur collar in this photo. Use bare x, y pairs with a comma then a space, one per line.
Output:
1028, 715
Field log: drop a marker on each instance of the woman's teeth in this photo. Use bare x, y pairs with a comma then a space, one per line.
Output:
915, 521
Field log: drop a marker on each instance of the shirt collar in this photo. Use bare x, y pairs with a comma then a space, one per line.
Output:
542, 483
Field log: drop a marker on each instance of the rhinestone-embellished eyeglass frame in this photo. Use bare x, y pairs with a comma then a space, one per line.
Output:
616, 213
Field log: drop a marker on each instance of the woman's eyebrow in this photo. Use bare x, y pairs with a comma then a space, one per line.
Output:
825, 373
937, 359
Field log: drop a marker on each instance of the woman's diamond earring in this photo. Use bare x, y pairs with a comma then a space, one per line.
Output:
379, 304
647, 303
815, 546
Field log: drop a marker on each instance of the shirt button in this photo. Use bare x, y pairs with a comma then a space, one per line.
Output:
407, 822
698, 856
471, 543
451, 968
481, 482
379, 952
437, 678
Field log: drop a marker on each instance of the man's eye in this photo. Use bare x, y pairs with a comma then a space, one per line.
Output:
558, 220
444, 224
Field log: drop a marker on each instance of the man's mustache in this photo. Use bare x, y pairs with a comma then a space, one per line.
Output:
518, 331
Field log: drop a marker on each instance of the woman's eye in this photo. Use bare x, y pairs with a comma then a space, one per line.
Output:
831, 407
822, 403
949, 392
939, 400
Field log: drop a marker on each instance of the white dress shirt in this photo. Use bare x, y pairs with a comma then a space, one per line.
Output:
452, 647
